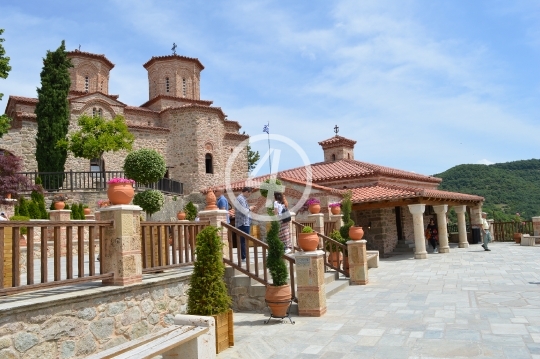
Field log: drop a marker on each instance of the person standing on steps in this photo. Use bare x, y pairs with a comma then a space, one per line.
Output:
432, 235
281, 210
486, 234
243, 218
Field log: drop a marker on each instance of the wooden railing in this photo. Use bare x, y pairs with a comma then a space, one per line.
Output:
255, 270
334, 252
504, 231
93, 181
329, 227
10, 233
167, 245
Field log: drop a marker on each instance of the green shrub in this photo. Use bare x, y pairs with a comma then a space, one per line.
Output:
271, 182
191, 211
150, 200
24, 230
33, 210
346, 209
23, 207
307, 229
145, 166
336, 236
275, 262
207, 294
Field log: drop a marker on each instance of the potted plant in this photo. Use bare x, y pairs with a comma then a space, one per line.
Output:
314, 205
103, 203
59, 201
181, 215
335, 208
207, 294
87, 210
349, 230
120, 190
333, 258
23, 230
278, 294
519, 228
308, 240
191, 211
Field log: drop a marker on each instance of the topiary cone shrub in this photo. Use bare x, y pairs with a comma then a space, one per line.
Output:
275, 263
207, 294
346, 209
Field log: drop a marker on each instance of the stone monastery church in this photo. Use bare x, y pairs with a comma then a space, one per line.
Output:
194, 137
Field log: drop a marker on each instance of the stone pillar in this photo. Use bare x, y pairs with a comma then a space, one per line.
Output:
60, 216
122, 244
358, 267
337, 219
310, 283
462, 227
443, 229
318, 220
536, 225
417, 211
476, 216
215, 217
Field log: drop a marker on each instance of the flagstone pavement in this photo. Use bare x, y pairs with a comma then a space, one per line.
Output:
465, 304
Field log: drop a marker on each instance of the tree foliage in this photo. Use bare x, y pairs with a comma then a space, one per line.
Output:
275, 262
150, 200
10, 179
5, 121
346, 209
145, 166
52, 113
253, 157
207, 294
508, 188
97, 136
191, 211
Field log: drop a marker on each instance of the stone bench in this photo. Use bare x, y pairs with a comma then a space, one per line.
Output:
527, 240
372, 258
191, 337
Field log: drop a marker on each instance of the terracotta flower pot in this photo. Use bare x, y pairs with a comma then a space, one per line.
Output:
181, 216
334, 258
210, 201
87, 211
517, 237
120, 193
314, 208
308, 241
8, 195
59, 205
335, 210
278, 299
356, 233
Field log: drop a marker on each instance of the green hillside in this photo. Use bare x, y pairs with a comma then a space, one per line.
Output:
509, 188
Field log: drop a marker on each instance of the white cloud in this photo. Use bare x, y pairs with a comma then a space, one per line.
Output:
485, 162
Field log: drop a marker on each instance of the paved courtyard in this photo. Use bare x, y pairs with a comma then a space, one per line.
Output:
465, 304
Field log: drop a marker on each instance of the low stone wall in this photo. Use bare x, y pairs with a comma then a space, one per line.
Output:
71, 322
245, 297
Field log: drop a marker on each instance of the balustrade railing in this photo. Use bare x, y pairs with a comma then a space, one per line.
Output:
55, 240
167, 245
504, 231
93, 181
329, 227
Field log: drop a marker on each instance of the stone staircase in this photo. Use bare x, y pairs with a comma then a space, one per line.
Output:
248, 294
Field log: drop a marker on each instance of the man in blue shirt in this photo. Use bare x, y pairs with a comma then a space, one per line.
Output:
242, 218
222, 202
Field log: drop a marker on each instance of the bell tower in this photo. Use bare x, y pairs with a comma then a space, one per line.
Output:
337, 148
90, 72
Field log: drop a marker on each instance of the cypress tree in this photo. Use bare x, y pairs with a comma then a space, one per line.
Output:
52, 113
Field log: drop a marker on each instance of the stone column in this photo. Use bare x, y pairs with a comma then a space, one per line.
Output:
417, 211
337, 219
443, 229
122, 244
476, 216
462, 227
536, 226
60, 216
310, 283
215, 217
358, 267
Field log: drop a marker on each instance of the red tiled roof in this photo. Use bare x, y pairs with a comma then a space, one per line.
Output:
195, 106
384, 193
337, 141
182, 99
170, 57
28, 100
235, 136
345, 169
91, 55
85, 94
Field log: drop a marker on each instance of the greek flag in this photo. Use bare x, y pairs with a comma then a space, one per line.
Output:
266, 129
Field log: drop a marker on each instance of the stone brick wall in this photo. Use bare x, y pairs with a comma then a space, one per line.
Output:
245, 297
77, 324
382, 235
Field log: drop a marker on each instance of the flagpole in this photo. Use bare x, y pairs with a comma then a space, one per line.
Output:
269, 151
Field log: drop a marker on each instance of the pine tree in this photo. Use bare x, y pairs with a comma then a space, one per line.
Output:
52, 113
5, 121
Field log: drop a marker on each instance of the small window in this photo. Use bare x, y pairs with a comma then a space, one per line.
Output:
167, 84
348, 156
208, 163
184, 89
333, 157
101, 86
94, 112
97, 167
100, 112
86, 83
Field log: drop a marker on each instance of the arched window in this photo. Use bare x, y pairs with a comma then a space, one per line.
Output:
100, 112
167, 84
208, 163
86, 83
333, 157
184, 88
348, 156
101, 87
94, 112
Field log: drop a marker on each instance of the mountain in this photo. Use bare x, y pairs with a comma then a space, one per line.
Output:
509, 188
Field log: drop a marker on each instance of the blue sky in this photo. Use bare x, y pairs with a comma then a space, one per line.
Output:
421, 85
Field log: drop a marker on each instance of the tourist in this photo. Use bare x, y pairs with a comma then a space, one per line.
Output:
432, 235
486, 234
222, 202
242, 218
280, 209
3, 217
